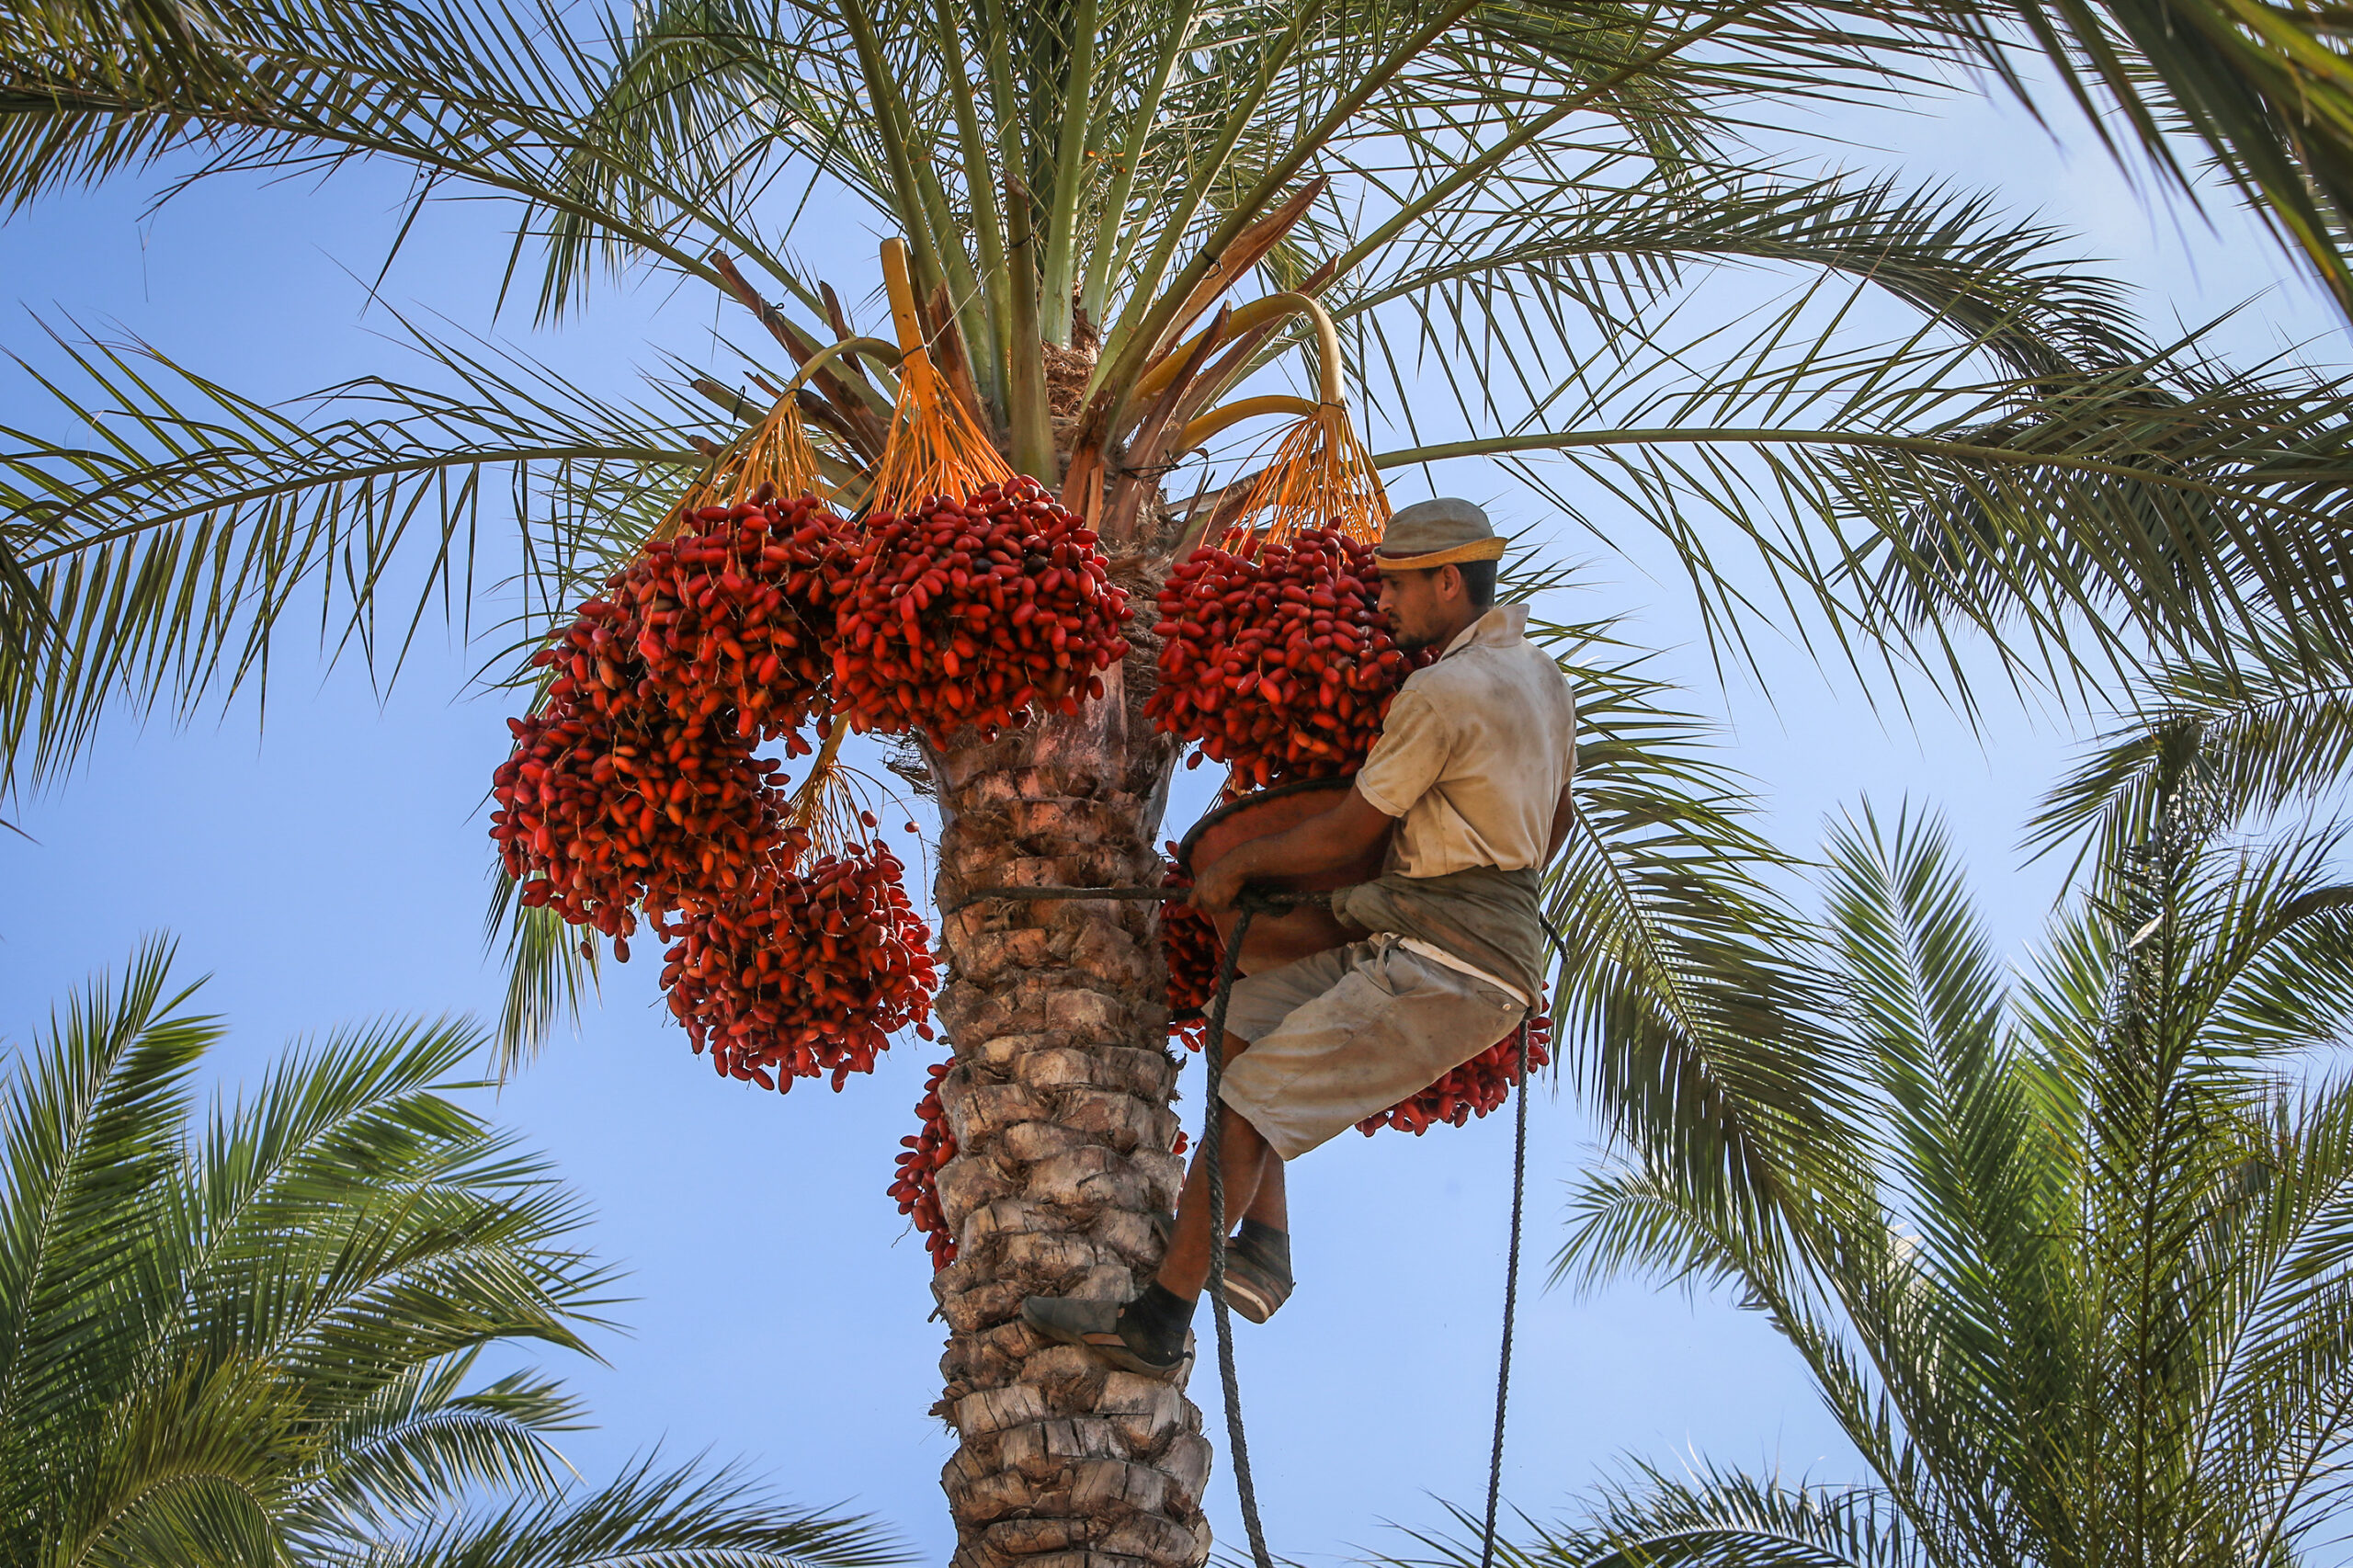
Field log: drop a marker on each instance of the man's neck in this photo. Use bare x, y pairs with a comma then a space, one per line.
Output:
1448, 638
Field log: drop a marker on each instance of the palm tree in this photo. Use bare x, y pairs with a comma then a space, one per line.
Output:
2075, 1280
1538, 199
250, 1336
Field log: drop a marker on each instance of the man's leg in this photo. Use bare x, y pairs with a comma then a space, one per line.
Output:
1272, 1208
1257, 1261
1148, 1334
1247, 1159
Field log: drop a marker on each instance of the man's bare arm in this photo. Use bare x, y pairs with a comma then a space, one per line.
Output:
1564, 812
1323, 843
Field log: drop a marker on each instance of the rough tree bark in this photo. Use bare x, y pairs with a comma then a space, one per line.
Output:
1059, 1103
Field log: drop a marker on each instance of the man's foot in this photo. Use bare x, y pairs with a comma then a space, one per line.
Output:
1257, 1294
1132, 1340
1257, 1266
1258, 1271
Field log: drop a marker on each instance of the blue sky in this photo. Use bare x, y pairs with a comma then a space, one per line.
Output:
328, 864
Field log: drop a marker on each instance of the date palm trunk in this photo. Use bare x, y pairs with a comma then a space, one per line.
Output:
1059, 1103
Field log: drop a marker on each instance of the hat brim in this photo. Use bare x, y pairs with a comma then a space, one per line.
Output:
1477, 550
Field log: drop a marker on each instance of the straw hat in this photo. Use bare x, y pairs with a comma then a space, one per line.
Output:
1444, 533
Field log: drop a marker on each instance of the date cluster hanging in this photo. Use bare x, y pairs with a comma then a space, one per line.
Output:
607, 803
1278, 663
973, 613
809, 974
915, 1182
740, 616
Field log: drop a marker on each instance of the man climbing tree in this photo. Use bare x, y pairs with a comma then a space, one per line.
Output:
1470, 775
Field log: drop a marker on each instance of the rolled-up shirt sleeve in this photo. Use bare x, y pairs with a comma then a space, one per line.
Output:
1409, 757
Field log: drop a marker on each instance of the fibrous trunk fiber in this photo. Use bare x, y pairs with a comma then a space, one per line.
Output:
1059, 1103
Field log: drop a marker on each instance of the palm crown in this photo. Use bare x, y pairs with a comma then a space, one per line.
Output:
1513, 200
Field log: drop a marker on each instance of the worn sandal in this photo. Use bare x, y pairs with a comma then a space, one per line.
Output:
1095, 1324
1254, 1288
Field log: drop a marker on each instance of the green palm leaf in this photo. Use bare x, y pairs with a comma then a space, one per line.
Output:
1900, 499
682, 1518
1711, 1517
421, 1439
160, 561
91, 1124
2268, 730
550, 972
2267, 89
251, 1338
2077, 1289
1685, 1022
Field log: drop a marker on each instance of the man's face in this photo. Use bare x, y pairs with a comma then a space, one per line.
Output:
1416, 605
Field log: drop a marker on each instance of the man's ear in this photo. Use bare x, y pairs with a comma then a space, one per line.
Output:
1449, 582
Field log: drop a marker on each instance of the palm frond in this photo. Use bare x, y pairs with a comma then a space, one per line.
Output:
1706, 1517
1687, 1024
2267, 89
690, 1516
1894, 498
1729, 1518
91, 1118
1599, 248
1625, 1219
2267, 730
465, 93
162, 545
550, 968
183, 45
390, 1225
418, 1441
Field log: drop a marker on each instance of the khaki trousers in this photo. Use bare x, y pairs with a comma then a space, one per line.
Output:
1344, 1034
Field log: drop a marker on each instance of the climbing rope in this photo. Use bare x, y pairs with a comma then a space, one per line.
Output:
1212, 1128
1511, 1301
1212, 1123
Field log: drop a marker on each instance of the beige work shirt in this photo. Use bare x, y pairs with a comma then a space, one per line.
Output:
1475, 752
